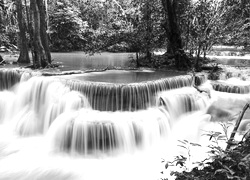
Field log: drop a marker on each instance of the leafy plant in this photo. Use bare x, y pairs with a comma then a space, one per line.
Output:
215, 148
226, 164
182, 160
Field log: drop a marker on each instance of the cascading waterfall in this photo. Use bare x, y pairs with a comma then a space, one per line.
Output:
96, 132
34, 104
98, 126
9, 78
232, 85
88, 131
126, 97
182, 101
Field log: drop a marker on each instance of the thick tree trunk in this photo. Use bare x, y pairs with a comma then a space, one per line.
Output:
173, 34
40, 59
44, 35
23, 42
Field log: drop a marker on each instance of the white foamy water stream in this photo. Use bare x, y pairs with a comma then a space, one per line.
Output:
55, 129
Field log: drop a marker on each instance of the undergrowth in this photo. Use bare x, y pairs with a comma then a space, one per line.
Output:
231, 164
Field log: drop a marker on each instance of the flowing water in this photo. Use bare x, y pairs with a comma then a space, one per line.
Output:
61, 128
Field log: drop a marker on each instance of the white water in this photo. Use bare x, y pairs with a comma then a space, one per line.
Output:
48, 131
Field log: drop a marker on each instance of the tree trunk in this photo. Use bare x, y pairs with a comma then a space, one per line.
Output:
44, 35
197, 62
29, 26
173, 34
23, 43
40, 59
1, 15
137, 60
148, 30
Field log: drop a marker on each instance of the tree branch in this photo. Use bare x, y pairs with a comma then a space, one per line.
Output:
230, 141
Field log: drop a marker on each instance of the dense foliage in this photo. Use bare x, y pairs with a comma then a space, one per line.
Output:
232, 164
8, 23
66, 27
236, 22
140, 26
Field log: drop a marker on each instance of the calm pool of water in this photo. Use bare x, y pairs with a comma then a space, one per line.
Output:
82, 61
123, 76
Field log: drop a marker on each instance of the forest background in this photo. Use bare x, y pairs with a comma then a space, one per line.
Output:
185, 28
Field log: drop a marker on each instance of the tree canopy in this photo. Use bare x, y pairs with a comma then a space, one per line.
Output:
183, 27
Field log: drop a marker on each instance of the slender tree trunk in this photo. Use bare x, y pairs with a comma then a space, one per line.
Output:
1, 15
188, 34
137, 60
205, 51
40, 58
44, 35
197, 62
148, 30
23, 42
173, 34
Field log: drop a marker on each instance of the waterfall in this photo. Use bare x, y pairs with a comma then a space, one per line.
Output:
11, 77
8, 78
99, 132
34, 104
126, 97
182, 101
88, 117
232, 85
231, 88
95, 132
54, 128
